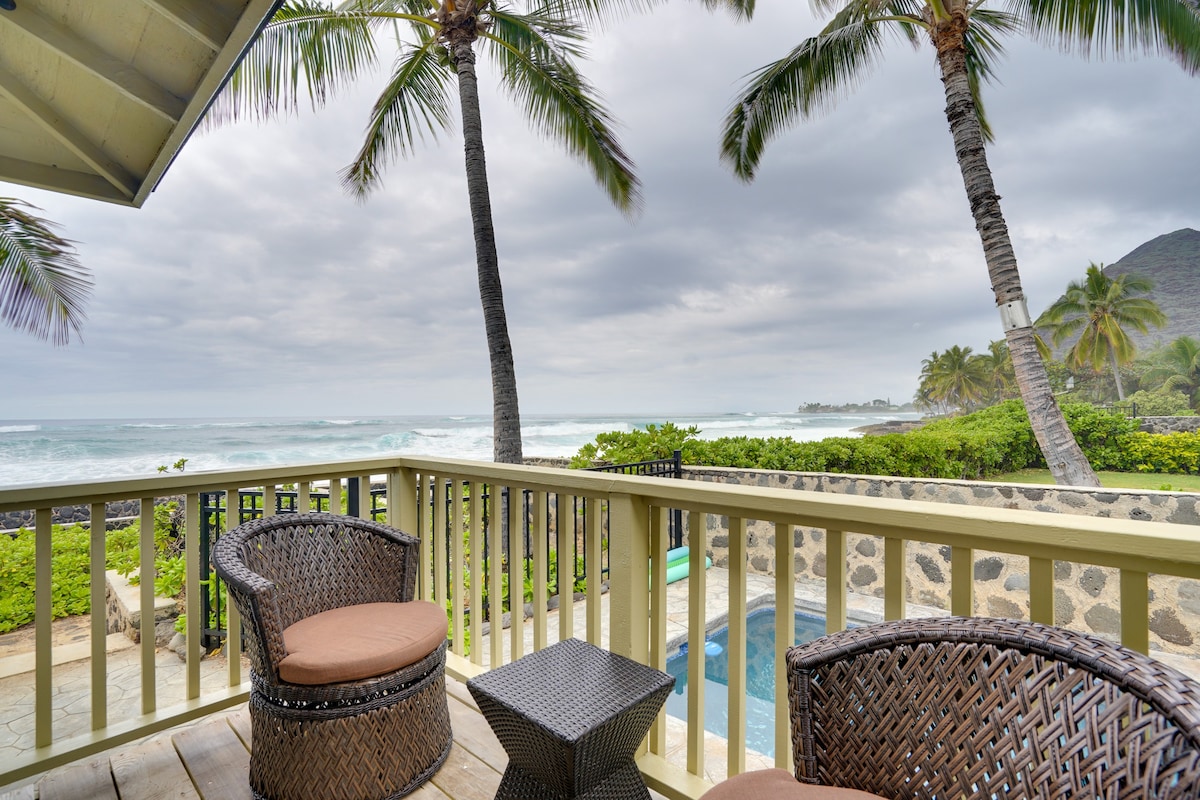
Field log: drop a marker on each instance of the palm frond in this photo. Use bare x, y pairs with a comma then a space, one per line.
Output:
606, 12
982, 43
1170, 27
803, 83
308, 49
43, 287
536, 55
416, 100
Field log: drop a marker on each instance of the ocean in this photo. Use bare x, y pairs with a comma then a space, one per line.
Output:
45, 451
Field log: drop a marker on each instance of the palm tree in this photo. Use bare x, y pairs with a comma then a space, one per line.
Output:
310, 47
997, 364
966, 39
956, 378
1176, 368
43, 287
1100, 310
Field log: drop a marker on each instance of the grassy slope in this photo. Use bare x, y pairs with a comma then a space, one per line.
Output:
1113, 480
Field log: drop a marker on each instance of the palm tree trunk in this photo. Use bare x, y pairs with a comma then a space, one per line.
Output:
1116, 369
1063, 455
506, 418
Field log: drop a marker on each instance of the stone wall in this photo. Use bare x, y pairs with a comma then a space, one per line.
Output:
66, 515
1087, 597
1169, 424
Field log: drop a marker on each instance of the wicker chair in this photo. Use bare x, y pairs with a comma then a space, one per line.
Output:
982, 708
366, 737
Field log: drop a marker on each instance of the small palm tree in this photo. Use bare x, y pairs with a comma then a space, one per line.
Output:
958, 378
315, 49
966, 39
43, 287
1100, 310
997, 364
1176, 368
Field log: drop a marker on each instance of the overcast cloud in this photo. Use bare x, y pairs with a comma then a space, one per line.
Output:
249, 284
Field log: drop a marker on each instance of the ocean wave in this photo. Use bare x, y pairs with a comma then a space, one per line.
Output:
19, 428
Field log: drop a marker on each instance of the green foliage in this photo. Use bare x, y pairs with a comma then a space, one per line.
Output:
987, 443
1159, 403
70, 566
1162, 453
628, 447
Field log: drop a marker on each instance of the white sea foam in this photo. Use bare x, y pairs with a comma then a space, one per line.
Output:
89, 450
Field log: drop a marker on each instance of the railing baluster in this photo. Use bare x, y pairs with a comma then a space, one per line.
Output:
566, 568
364, 497
192, 581
1041, 590
233, 619
516, 572
835, 581
1135, 605
427, 537
335, 495
541, 560
785, 637
304, 497
736, 650
659, 525
99, 628
495, 535
455, 575
270, 500
475, 548
895, 578
43, 612
592, 567
962, 581
146, 575
697, 629
438, 541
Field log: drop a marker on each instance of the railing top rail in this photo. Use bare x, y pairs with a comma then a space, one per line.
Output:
1147, 546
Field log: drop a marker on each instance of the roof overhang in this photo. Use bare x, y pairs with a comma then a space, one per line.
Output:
98, 96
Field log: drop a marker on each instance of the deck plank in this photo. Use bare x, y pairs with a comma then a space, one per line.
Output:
91, 779
240, 722
465, 777
152, 771
216, 759
471, 731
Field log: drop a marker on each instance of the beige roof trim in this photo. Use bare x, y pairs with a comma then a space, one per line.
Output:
97, 98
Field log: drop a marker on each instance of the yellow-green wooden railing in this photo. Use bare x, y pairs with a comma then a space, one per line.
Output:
634, 520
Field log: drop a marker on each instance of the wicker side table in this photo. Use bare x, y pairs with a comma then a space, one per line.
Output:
570, 718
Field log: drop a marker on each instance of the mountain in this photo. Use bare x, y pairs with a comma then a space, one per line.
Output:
1172, 262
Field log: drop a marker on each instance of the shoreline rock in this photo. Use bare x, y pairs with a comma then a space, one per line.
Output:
891, 426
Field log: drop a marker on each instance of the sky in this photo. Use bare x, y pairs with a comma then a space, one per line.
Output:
250, 284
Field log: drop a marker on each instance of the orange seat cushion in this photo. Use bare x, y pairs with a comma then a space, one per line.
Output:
778, 784
357, 642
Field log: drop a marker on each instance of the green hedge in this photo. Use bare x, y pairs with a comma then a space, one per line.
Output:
985, 444
70, 548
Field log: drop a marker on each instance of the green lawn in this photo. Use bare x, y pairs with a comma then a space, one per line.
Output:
1115, 480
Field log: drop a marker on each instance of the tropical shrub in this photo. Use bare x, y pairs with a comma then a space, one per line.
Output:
1158, 403
70, 547
984, 444
1167, 452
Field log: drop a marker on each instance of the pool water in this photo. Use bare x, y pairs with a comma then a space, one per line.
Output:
760, 678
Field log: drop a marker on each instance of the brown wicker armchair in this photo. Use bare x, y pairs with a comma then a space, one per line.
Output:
983, 708
348, 694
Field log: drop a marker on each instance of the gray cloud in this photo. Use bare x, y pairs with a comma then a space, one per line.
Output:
250, 284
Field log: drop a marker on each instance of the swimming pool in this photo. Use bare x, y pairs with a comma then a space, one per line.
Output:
760, 677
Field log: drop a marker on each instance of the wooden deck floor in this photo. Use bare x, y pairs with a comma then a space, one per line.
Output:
210, 760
